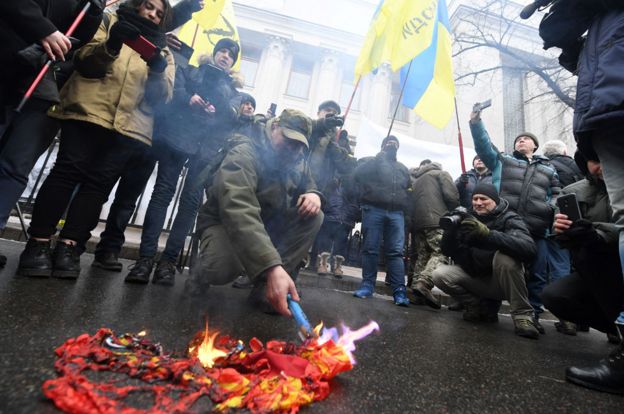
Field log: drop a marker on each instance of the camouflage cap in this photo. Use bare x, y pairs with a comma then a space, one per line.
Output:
295, 125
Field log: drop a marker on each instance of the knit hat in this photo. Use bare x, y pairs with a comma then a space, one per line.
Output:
476, 157
528, 134
230, 45
488, 190
390, 138
245, 97
330, 105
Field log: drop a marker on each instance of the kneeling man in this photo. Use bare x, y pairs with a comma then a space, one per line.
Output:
262, 212
489, 246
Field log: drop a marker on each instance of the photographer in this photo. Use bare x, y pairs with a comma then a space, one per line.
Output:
490, 248
328, 162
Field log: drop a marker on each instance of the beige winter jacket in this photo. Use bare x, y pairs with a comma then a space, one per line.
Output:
116, 92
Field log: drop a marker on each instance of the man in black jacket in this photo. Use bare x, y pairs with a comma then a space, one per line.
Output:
383, 184
26, 135
489, 249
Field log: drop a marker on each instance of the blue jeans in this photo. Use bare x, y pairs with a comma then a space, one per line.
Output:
550, 260
378, 223
170, 163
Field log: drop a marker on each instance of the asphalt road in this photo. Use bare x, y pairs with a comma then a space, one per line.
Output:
422, 360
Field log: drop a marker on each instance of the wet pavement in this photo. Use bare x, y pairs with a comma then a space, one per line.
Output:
422, 360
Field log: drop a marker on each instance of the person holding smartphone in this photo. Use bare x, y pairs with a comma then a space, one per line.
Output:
593, 295
107, 117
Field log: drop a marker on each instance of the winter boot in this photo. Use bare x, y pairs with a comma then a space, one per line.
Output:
164, 273
607, 375
107, 260
323, 265
337, 268
524, 326
36, 259
472, 312
66, 261
422, 290
140, 271
565, 327
365, 291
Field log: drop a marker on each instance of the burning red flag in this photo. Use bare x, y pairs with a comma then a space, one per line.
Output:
276, 377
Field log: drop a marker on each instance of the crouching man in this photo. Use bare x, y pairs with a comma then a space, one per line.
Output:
489, 246
262, 212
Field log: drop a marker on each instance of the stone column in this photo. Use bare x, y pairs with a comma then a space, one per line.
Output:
378, 103
327, 85
513, 105
272, 72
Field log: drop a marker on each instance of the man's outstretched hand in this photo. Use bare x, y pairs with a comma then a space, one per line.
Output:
279, 285
309, 205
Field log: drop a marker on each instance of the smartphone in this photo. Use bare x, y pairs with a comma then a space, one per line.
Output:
186, 50
273, 108
478, 107
143, 47
569, 206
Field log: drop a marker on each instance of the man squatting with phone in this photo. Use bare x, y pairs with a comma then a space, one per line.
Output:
529, 183
593, 294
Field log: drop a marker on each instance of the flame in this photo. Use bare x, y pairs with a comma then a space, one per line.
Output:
142, 333
206, 352
317, 329
346, 340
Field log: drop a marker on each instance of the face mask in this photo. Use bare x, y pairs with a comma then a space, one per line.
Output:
391, 151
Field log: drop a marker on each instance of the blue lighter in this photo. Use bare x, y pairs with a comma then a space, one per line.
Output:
305, 329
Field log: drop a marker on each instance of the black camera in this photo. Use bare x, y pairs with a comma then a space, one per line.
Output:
453, 218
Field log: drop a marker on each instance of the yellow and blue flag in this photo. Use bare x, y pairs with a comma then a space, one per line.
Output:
417, 31
209, 25
429, 87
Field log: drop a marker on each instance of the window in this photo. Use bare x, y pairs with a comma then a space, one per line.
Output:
249, 64
249, 69
300, 78
403, 111
346, 90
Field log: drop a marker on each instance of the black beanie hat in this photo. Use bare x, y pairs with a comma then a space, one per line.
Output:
329, 105
245, 97
487, 190
389, 138
528, 134
229, 44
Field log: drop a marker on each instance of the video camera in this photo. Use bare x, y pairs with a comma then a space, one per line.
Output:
453, 218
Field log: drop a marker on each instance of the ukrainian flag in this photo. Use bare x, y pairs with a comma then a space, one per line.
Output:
416, 31
430, 88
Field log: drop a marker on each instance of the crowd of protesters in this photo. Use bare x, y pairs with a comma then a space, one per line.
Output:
280, 187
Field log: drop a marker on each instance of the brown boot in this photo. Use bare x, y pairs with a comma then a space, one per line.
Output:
337, 268
422, 290
323, 266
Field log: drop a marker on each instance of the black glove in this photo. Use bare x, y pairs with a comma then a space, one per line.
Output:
472, 229
158, 63
464, 178
581, 233
119, 32
97, 7
332, 121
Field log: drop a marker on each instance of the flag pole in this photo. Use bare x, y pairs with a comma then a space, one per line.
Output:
460, 140
195, 34
357, 84
396, 109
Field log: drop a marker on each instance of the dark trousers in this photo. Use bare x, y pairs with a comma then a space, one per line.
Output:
170, 164
91, 158
593, 295
131, 184
27, 137
333, 238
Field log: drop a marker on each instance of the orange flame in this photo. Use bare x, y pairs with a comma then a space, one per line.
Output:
346, 340
206, 352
